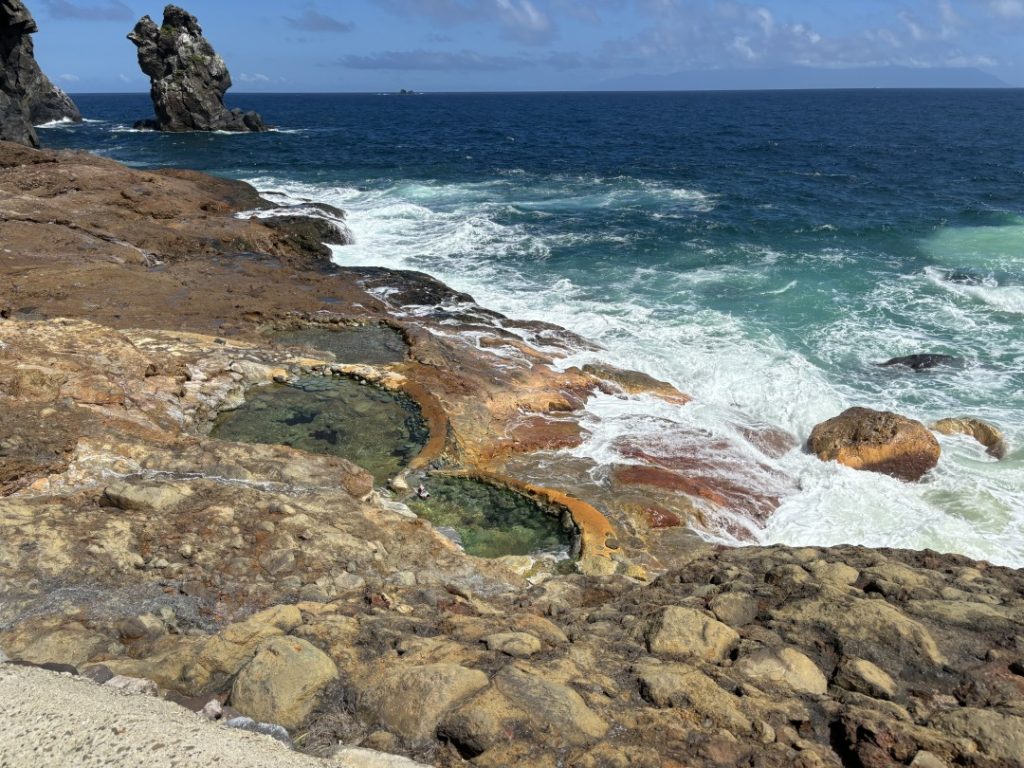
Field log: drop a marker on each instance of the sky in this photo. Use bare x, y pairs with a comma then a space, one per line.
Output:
523, 45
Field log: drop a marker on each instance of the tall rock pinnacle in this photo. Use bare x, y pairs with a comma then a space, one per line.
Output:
188, 79
27, 97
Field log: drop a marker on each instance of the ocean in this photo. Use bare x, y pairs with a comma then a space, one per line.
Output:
761, 251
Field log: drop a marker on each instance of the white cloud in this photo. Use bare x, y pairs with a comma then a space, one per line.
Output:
1007, 9
257, 77
67, 78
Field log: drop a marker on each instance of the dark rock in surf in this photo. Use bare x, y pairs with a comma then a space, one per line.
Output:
27, 97
310, 234
923, 362
188, 79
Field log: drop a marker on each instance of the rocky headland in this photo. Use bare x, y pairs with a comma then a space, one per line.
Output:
188, 79
27, 97
140, 308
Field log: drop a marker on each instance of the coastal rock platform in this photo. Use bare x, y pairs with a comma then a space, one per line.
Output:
138, 306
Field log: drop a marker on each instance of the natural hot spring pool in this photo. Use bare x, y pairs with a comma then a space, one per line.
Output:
370, 344
492, 521
378, 430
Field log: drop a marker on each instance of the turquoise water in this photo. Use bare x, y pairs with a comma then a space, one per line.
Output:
759, 251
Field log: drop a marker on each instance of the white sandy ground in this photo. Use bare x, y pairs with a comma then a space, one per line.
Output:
49, 720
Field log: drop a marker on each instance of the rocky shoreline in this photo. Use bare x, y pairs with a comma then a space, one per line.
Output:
139, 306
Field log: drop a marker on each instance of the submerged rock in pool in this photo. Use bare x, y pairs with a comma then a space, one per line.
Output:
492, 521
368, 344
378, 430
923, 362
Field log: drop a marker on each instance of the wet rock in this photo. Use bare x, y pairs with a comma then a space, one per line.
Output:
435, 688
687, 632
188, 79
783, 666
309, 235
862, 676
283, 683
987, 434
923, 362
27, 97
877, 441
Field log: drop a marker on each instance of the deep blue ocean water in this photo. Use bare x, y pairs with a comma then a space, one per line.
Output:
760, 250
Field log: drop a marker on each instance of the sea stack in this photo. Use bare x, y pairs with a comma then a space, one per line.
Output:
27, 97
188, 79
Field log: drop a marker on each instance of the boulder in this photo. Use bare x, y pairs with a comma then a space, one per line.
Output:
145, 497
988, 435
283, 683
542, 710
410, 702
683, 631
877, 441
519, 644
681, 686
784, 666
861, 676
27, 97
999, 736
188, 79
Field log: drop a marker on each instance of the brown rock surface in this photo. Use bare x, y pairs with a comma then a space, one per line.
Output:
987, 434
877, 442
132, 540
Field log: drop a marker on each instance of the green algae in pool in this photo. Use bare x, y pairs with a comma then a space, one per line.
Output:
378, 430
369, 344
492, 521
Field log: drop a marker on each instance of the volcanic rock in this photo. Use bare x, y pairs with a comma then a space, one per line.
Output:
876, 441
188, 79
27, 97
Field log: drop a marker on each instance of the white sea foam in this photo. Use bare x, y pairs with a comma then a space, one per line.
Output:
660, 324
56, 123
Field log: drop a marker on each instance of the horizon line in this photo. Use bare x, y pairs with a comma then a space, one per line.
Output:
1001, 87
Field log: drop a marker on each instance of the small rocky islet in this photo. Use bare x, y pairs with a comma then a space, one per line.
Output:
291, 592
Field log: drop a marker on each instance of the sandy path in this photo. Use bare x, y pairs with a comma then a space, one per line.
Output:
57, 721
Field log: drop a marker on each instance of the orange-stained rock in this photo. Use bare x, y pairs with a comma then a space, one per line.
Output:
877, 441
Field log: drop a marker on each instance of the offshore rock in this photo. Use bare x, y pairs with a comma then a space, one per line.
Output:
922, 362
27, 97
188, 79
877, 441
988, 435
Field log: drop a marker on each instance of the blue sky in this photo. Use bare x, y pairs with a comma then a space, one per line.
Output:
378, 45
